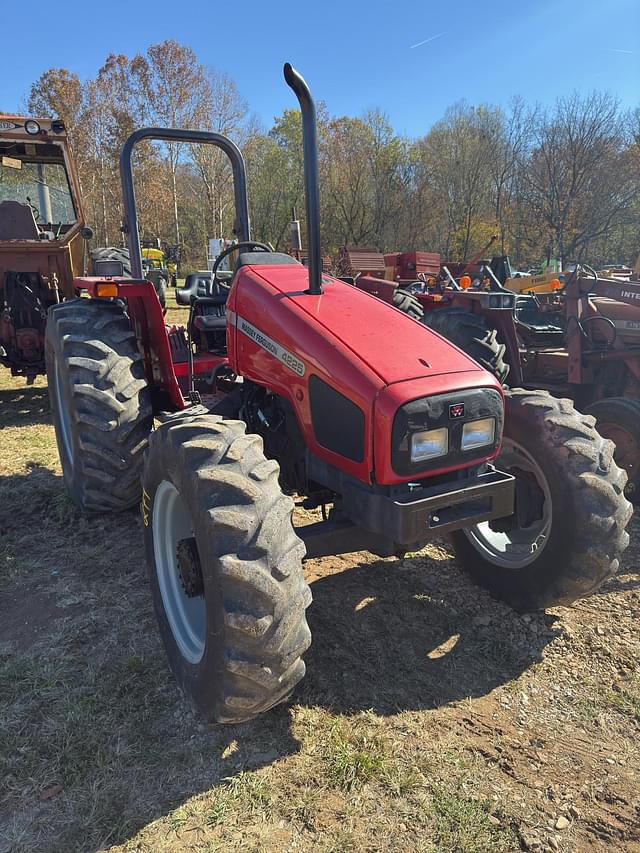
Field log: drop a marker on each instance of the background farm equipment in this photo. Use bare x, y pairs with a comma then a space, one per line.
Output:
165, 259
115, 261
281, 385
580, 339
42, 235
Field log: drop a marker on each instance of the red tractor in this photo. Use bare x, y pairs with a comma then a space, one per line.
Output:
282, 385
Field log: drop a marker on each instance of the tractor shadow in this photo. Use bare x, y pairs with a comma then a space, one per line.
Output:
416, 634
25, 406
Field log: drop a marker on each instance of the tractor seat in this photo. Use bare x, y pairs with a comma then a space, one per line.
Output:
211, 313
197, 284
17, 222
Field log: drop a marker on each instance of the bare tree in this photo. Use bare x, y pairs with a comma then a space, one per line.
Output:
580, 180
172, 87
225, 112
455, 163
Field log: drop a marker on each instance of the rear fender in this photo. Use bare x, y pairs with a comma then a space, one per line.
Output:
147, 322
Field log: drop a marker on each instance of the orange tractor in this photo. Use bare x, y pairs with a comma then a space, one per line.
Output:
43, 235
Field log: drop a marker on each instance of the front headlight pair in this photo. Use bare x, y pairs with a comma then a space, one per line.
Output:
432, 443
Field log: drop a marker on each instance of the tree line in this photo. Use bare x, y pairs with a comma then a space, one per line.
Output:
560, 181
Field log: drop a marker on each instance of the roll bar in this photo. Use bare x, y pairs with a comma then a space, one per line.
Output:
311, 187
167, 134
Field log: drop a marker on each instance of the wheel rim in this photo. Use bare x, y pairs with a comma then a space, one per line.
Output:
627, 452
187, 617
63, 416
517, 548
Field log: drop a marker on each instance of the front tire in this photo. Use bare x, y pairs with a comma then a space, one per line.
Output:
225, 567
568, 532
100, 402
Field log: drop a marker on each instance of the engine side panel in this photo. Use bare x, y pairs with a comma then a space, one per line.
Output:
273, 343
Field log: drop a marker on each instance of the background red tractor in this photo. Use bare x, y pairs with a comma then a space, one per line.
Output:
283, 383
580, 340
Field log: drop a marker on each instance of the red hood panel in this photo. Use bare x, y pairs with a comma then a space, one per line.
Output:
396, 347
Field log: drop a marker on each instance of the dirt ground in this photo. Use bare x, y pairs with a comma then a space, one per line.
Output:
432, 718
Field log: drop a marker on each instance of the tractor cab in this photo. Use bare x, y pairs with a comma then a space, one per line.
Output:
36, 197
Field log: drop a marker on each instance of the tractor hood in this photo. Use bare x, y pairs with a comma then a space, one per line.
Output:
394, 346
344, 359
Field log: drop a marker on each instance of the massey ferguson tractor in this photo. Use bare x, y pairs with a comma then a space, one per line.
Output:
288, 382
42, 235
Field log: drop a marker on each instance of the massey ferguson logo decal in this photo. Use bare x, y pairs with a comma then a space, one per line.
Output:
287, 358
456, 410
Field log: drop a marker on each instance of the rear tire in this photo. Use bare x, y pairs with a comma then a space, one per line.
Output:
618, 419
235, 638
100, 402
472, 334
571, 512
408, 304
113, 253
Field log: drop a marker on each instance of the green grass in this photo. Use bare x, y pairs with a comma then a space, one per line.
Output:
353, 758
464, 824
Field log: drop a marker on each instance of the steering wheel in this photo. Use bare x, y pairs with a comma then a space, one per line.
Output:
243, 244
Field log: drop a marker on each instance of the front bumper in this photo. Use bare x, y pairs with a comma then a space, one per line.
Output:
411, 518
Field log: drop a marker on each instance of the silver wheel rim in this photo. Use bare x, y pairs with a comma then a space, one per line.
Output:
518, 548
187, 617
63, 416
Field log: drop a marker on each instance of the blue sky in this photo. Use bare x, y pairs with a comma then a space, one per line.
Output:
355, 55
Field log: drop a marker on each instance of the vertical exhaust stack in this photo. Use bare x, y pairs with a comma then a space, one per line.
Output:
311, 188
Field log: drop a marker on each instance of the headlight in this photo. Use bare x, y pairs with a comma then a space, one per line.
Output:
427, 432
32, 126
478, 434
429, 444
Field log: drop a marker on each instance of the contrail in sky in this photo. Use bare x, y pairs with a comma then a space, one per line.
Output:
426, 41
619, 50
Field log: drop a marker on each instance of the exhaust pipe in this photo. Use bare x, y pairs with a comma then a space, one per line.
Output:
311, 189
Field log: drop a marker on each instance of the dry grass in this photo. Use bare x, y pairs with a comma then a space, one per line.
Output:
176, 313
432, 718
